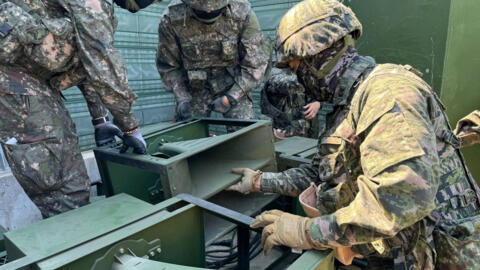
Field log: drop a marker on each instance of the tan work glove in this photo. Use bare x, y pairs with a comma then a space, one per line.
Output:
283, 229
250, 181
468, 129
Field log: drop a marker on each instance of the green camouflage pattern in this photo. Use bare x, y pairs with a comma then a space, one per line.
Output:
285, 94
390, 179
94, 24
46, 159
48, 57
282, 99
199, 62
312, 26
206, 5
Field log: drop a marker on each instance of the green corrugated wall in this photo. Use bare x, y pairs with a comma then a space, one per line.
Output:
407, 31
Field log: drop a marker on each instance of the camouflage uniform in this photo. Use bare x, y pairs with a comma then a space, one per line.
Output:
282, 99
388, 173
284, 95
49, 46
392, 183
199, 62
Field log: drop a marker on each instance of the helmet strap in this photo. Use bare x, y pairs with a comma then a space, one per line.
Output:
320, 74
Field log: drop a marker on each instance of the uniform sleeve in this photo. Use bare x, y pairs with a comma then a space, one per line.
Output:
105, 66
169, 63
99, 97
398, 156
94, 102
292, 181
255, 54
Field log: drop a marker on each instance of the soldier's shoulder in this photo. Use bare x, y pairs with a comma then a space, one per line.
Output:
240, 9
175, 10
392, 80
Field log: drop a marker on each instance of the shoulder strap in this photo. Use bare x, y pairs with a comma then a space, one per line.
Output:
349, 77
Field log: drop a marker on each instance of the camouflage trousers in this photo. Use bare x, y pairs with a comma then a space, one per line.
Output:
45, 158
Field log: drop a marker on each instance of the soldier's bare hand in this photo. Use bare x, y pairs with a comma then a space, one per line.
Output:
311, 110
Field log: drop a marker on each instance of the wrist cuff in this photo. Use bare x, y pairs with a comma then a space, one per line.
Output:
130, 132
267, 184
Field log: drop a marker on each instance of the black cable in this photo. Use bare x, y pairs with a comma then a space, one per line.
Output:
217, 261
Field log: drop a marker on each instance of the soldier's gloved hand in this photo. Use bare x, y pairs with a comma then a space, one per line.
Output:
136, 141
468, 129
222, 104
250, 181
184, 111
283, 229
105, 134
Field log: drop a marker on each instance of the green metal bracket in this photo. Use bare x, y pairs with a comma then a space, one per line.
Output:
129, 247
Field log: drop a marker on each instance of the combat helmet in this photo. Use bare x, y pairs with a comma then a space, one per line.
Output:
206, 5
312, 26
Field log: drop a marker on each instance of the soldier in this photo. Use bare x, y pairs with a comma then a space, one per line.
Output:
48, 46
211, 55
468, 129
283, 99
389, 181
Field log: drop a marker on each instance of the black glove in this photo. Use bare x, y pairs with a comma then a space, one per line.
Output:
217, 105
184, 111
105, 134
136, 141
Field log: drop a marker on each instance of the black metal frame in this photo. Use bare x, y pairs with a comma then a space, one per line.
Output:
243, 222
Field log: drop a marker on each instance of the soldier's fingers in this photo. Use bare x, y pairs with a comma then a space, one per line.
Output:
308, 109
267, 231
238, 170
234, 187
269, 244
264, 220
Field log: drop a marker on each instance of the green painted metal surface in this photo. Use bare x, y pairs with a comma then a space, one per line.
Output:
310, 260
186, 159
81, 238
461, 84
405, 32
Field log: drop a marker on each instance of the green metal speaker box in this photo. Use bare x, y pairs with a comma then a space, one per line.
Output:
99, 235
187, 158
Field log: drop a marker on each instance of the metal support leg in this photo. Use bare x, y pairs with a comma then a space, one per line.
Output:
243, 240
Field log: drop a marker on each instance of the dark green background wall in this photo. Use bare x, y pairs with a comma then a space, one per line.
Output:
461, 76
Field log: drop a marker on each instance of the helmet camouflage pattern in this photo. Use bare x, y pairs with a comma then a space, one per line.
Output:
312, 26
206, 5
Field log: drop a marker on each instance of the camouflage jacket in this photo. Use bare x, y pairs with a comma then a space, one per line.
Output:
284, 96
229, 56
51, 49
384, 169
